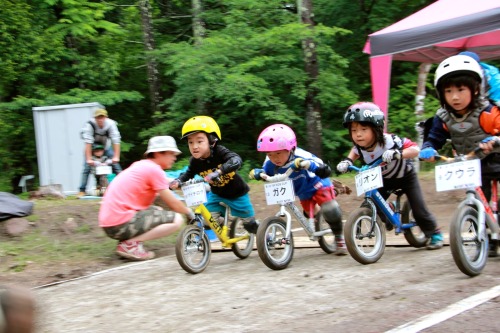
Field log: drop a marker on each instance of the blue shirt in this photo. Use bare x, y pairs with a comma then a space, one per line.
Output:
305, 183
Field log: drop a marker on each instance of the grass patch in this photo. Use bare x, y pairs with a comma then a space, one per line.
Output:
41, 249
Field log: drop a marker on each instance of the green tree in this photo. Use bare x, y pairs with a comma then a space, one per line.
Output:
252, 69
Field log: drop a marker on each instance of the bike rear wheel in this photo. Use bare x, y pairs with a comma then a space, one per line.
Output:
363, 246
469, 253
192, 250
327, 241
414, 236
243, 248
275, 250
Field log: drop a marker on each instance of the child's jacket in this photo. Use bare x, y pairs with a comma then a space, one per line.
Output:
230, 184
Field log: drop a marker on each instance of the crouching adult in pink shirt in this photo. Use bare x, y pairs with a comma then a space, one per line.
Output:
127, 213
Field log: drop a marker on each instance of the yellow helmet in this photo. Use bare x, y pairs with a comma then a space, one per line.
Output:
201, 124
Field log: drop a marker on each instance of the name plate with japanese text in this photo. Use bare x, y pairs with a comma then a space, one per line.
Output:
279, 193
458, 175
369, 180
103, 170
194, 194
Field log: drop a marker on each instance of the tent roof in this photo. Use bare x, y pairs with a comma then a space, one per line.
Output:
440, 30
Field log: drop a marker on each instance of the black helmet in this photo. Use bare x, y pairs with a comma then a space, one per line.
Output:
364, 112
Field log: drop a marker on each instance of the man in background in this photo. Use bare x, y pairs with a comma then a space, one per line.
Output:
100, 130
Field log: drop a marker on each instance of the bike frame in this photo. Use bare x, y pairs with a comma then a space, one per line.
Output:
203, 215
376, 201
290, 208
483, 206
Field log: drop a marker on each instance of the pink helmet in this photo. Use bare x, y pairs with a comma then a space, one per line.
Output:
276, 137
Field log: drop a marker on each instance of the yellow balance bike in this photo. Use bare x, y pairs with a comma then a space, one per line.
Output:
193, 247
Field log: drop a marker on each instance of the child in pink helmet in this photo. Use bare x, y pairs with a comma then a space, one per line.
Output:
310, 176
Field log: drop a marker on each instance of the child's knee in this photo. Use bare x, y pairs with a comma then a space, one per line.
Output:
331, 212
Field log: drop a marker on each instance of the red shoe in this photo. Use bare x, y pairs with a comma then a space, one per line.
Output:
133, 250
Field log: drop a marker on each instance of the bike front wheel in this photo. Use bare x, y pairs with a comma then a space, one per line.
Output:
327, 241
275, 250
364, 246
103, 184
469, 253
414, 236
243, 248
192, 249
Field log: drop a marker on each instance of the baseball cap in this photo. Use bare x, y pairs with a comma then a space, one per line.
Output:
162, 143
100, 112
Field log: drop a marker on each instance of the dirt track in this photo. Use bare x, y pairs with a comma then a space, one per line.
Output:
316, 293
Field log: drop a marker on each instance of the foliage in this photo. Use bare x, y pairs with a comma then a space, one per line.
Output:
247, 72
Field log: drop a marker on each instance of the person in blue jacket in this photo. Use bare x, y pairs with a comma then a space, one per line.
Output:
310, 177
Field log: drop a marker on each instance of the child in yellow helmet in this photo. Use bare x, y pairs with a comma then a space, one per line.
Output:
218, 166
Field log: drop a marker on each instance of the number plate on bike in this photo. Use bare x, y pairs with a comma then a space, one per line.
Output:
369, 180
280, 192
194, 194
457, 175
103, 170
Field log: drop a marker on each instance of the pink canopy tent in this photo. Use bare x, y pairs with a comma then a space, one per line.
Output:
432, 34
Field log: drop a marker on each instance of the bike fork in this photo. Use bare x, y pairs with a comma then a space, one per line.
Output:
471, 200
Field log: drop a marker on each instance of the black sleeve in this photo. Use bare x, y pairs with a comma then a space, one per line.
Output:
185, 176
232, 161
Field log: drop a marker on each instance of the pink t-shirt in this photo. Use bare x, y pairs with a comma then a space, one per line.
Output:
132, 190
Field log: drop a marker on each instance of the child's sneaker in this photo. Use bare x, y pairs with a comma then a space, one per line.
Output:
133, 250
436, 241
492, 251
251, 226
341, 248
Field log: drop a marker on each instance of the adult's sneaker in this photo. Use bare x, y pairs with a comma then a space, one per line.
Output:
133, 250
436, 241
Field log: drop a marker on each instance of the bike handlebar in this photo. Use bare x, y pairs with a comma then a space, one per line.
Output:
377, 162
192, 181
469, 156
276, 178
463, 157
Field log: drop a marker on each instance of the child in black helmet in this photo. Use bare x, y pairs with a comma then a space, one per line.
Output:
365, 122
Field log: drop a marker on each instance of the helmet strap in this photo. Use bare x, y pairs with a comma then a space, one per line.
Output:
292, 155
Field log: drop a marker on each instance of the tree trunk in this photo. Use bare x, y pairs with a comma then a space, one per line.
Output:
198, 34
313, 108
423, 71
151, 64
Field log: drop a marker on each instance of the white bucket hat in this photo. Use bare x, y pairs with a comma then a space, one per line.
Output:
162, 143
